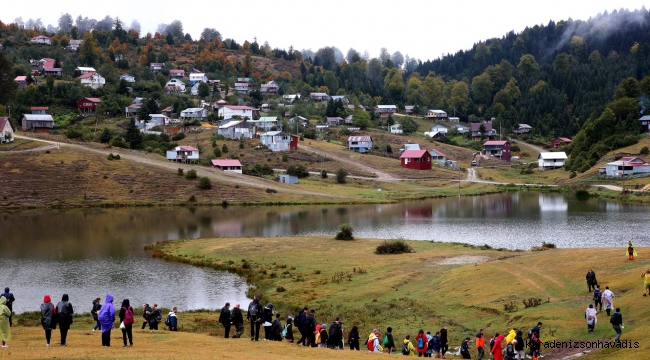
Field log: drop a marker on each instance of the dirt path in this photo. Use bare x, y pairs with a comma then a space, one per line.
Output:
40, 148
534, 147
212, 173
471, 175
381, 175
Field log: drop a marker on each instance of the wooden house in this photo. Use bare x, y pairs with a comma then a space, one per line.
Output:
176, 73
408, 109
523, 129
489, 133
627, 166
645, 123
156, 67
335, 121
232, 165
183, 154
286, 179
236, 129
396, 129
37, 123
230, 111
93, 80
195, 114
551, 160
438, 156
266, 123
362, 144
270, 88
319, 96
196, 78
39, 110
279, 141
416, 159
559, 141
87, 106
242, 88
497, 148
21, 81
128, 78
436, 115
80, 70
40, 39
385, 110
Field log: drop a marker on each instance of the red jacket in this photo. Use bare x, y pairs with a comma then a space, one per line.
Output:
497, 349
424, 342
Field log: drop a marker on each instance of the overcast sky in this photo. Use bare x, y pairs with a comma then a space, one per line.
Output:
424, 29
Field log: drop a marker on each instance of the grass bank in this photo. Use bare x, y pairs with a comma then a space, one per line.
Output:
440, 284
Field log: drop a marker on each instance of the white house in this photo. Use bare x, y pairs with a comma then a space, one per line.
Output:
322, 128
175, 85
396, 129
92, 80
360, 144
288, 99
40, 39
454, 119
230, 111
627, 166
286, 179
440, 128
436, 115
301, 120
198, 78
438, 156
279, 141
128, 78
523, 129
183, 154
236, 129
551, 160
6, 130
159, 119
266, 123
227, 165
194, 113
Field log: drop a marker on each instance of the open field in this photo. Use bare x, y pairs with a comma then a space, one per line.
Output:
440, 284
19, 145
512, 174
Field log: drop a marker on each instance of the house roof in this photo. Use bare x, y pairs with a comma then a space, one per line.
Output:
274, 133
38, 117
20, 78
4, 121
191, 110
561, 155
386, 107
177, 71
334, 118
40, 37
81, 68
525, 126
437, 152
268, 118
88, 75
628, 161
242, 85
439, 126
95, 100
125, 75
413, 154
222, 101
317, 94
477, 126
39, 108
359, 138
645, 118
411, 146
563, 139
220, 162
409, 107
157, 64
186, 148
49, 64
195, 74
495, 142
231, 124
168, 108
437, 111
234, 107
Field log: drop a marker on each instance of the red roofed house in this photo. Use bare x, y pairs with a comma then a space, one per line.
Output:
627, 166
93, 80
227, 165
557, 142
87, 106
497, 148
21, 81
6, 130
177, 73
183, 154
416, 159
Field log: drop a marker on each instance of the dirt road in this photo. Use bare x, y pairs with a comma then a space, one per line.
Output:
381, 175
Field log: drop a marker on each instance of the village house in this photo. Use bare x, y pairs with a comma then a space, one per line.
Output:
132, 110
560, 141
341, 98
270, 88
156, 67
439, 128
523, 129
322, 128
416, 159
195, 114
244, 79
301, 120
645, 123
236, 129
92, 80
158, 120
408, 109
168, 111
286, 179
460, 128
184, 154
196, 78
289, 99
490, 133
319, 96
627, 166
40, 39
37, 123
39, 110
80, 70
176, 73
227, 165
354, 130
128, 78
454, 119
362, 144
360, 107
175, 85
396, 129
551, 160
21, 81
335, 121
348, 120
230, 111
219, 104
497, 148
436, 115
279, 141
75, 44
46, 67
438, 156
385, 110
409, 147
6, 130
87, 106
242, 88
267, 123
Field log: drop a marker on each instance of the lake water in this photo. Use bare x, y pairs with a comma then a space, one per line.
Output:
87, 252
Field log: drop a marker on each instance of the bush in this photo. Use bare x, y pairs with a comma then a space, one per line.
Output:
298, 170
345, 232
216, 152
106, 136
204, 183
515, 148
644, 150
119, 142
224, 149
573, 174
241, 145
73, 134
214, 143
179, 136
341, 176
113, 157
191, 175
394, 247
285, 157
323, 174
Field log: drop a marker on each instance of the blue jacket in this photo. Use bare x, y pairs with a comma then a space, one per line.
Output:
436, 343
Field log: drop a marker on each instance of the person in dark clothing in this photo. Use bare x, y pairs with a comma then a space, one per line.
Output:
591, 280
47, 317
10, 303
311, 328
146, 314
267, 321
444, 343
173, 320
323, 336
65, 311
617, 323
510, 350
155, 317
126, 317
224, 319
254, 316
520, 345
335, 338
276, 329
535, 330
390, 344
301, 322
288, 330
464, 349
353, 338
598, 298
237, 319
97, 305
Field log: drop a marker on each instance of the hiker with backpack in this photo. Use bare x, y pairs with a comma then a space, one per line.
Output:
224, 319
591, 280
520, 346
146, 314
155, 317
590, 316
353, 338
598, 298
464, 349
106, 318
429, 352
389, 342
322, 336
335, 336
435, 344
254, 316
172, 321
444, 342
237, 318
300, 321
510, 350
276, 329
421, 342
95, 309
408, 349
311, 328
126, 321
287, 332
373, 343
617, 324
646, 282
480, 344
47, 318
65, 311
535, 345
10, 304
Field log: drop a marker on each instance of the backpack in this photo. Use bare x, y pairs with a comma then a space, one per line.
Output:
385, 339
296, 320
284, 331
371, 344
128, 316
253, 310
168, 321
430, 344
492, 343
405, 349
420, 343
597, 294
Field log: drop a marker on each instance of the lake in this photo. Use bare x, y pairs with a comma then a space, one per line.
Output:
88, 252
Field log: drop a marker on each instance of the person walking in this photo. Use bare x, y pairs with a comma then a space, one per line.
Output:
311, 328
497, 349
65, 311
510, 350
591, 280
267, 320
480, 344
322, 336
335, 336
301, 323
276, 329
47, 318
237, 319
389, 342
429, 352
97, 305
421, 342
10, 304
464, 349
631, 253
146, 314
254, 316
5, 326
646, 282
376, 347
520, 346
444, 342
287, 332
436, 345
598, 298
590, 315
126, 318
224, 319
353, 338
106, 318
155, 317
608, 299
172, 320
407, 349
617, 324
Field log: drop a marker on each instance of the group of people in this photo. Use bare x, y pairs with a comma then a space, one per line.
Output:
607, 298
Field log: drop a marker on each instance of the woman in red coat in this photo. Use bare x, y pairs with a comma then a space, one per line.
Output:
497, 349
421, 342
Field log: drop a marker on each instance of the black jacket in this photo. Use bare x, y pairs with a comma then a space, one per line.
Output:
276, 328
156, 316
520, 341
10, 299
96, 307
236, 316
391, 342
146, 313
443, 337
224, 318
591, 278
616, 319
47, 315
464, 348
289, 332
255, 307
510, 352
267, 315
311, 323
64, 311
301, 321
336, 334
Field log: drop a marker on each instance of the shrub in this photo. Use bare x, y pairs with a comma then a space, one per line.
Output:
192, 199
241, 145
394, 247
73, 134
217, 152
345, 232
106, 136
341, 176
280, 289
515, 148
285, 158
110, 156
271, 191
323, 174
191, 175
298, 170
644, 150
573, 174
214, 143
224, 149
180, 172
179, 136
119, 142
204, 183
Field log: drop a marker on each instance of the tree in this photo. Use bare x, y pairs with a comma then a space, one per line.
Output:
88, 51
105, 24
204, 183
629, 87
7, 84
384, 55
408, 125
298, 171
204, 90
247, 67
527, 64
135, 26
106, 136
361, 119
209, 34
394, 85
169, 39
148, 107
459, 95
341, 176
133, 136
398, 59
345, 232
65, 23
482, 88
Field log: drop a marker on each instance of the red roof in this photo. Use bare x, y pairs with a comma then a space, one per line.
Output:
21, 78
177, 71
188, 148
3, 123
216, 162
495, 142
564, 139
413, 154
49, 64
222, 101
39, 108
87, 75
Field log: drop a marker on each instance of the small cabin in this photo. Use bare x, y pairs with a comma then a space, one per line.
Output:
183, 154
232, 165
416, 159
286, 179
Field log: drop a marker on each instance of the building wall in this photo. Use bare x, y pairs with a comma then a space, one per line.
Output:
424, 163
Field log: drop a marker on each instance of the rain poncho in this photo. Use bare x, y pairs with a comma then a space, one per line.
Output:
590, 315
106, 315
627, 249
5, 313
511, 336
608, 299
